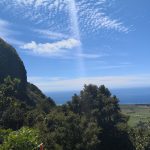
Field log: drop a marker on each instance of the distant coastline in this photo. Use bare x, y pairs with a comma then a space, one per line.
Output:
126, 95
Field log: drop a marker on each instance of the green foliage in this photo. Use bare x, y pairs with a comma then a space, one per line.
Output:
13, 118
11, 109
140, 136
67, 131
4, 134
38, 99
97, 103
90, 135
14, 113
10, 87
91, 121
34, 118
23, 139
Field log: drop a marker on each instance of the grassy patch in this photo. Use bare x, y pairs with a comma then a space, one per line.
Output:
137, 113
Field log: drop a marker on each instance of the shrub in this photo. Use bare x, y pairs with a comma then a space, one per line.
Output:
23, 139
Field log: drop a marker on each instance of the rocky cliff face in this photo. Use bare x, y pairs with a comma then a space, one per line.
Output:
11, 64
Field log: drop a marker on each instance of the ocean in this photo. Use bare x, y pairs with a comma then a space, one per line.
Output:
126, 96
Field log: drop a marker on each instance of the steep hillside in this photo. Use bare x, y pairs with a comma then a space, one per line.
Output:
35, 97
11, 64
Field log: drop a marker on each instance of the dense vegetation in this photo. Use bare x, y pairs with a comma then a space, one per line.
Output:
91, 120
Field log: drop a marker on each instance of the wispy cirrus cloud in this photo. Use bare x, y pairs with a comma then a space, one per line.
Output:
51, 35
48, 84
119, 66
92, 16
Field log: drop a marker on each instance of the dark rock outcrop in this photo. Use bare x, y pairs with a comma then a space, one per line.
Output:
11, 64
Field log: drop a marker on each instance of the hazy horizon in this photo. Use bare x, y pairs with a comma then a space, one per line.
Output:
126, 95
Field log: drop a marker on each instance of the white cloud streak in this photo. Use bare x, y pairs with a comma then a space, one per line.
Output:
48, 84
51, 49
62, 49
120, 66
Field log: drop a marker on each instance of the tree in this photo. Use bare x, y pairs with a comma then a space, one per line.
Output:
13, 117
34, 117
67, 131
10, 87
98, 104
12, 110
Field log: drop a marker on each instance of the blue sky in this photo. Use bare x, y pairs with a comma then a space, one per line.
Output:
67, 43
